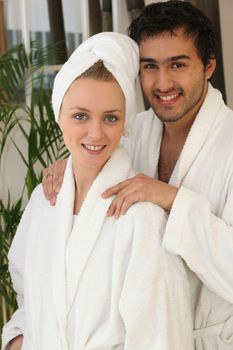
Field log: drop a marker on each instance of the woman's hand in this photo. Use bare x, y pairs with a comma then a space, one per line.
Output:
16, 343
137, 189
52, 180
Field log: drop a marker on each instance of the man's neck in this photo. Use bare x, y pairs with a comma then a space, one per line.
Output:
179, 128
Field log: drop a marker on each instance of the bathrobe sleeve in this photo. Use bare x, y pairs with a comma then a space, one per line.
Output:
203, 240
154, 303
16, 257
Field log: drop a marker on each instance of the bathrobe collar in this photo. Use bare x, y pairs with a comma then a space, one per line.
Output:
71, 251
198, 134
196, 139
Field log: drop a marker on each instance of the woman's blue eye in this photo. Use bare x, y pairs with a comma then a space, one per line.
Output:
111, 118
80, 116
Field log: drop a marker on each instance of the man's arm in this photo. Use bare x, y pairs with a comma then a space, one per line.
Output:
137, 189
203, 240
140, 188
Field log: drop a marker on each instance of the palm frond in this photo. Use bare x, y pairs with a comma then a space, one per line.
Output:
21, 73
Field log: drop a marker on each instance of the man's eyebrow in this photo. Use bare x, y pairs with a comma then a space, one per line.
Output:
169, 59
179, 57
147, 59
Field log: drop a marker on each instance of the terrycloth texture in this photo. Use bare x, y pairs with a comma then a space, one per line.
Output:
104, 284
199, 227
120, 56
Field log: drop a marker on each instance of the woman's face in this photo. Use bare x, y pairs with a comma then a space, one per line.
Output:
92, 120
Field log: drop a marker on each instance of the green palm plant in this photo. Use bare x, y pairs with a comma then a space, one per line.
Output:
43, 137
23, 74
10, 216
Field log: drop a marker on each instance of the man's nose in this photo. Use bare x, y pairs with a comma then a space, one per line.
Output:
164, 81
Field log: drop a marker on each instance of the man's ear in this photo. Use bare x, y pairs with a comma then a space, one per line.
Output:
210, 68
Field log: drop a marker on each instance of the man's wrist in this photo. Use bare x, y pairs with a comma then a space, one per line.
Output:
170, 197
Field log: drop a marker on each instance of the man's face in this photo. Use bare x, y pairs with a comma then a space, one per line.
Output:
173, 77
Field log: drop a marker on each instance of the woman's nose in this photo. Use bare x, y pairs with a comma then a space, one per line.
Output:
95, 131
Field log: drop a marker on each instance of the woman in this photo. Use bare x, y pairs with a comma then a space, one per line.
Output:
85, 280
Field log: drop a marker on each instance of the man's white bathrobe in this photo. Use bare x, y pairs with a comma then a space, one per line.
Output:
101, 283
200, 224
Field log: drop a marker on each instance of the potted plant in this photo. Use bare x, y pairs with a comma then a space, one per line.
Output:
24, 74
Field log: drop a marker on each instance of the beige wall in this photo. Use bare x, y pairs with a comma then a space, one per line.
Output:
226, 19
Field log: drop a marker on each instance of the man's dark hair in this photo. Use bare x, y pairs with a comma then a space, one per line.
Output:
169, 16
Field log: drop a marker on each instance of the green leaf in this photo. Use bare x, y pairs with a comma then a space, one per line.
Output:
21, 73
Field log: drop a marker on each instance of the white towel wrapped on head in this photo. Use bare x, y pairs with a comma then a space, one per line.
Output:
120, 56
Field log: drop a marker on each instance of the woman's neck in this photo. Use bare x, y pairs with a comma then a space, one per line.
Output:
84, 178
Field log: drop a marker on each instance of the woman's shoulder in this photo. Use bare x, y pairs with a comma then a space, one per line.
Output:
145, 220
36, 193
38, 198
146, 210
36, 205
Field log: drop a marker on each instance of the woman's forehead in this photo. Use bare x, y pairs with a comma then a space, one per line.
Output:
93, 93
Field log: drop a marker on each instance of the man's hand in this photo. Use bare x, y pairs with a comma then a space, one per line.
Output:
16, 343
139, 188
52, 180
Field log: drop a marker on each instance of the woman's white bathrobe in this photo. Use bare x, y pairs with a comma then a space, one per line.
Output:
200, 224
104, 284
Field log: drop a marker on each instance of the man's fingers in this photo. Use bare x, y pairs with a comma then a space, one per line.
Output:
121, 203
117, 208
53, 199
52, 180
133, 182
115, 189
126, 193
112, 209
57, 184
130, 200
111, 191
47, 183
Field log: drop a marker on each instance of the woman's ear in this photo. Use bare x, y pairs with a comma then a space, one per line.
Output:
125, 132
210, 68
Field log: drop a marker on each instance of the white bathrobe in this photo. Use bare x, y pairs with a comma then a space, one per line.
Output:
101, 283
199, 227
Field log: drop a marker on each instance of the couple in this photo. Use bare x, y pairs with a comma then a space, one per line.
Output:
135, 301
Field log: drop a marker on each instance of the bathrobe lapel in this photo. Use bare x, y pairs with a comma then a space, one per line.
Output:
90, 219
62, 228
144, 143
197, 135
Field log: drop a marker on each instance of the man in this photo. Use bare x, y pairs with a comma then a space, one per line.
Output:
183, 146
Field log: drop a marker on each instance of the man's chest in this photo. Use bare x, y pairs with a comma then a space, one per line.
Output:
168, 157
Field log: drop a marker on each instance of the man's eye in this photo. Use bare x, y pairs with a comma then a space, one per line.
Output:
149, 66
80, 116
111, 118
177, 65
